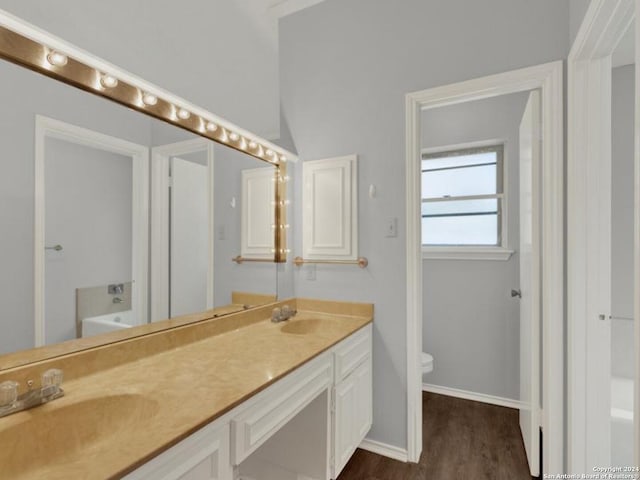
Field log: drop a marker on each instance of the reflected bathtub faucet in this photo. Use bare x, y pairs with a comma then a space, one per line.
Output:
11, 402
115, 289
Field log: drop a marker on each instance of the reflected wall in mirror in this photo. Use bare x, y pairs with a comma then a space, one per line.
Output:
76, 212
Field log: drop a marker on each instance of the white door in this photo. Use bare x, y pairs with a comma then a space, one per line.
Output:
530, 280
189, 257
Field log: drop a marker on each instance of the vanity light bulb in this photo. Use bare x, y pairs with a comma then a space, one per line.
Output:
107, 81
212, 127
183, 114
149, 99
234, 136
57, 59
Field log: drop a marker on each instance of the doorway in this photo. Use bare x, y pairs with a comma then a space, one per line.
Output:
548, 80
182, 242
603, 277
481, 261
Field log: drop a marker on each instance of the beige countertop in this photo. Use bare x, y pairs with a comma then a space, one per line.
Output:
115, 419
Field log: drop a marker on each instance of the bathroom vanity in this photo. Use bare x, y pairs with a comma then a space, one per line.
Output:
200, 383
238, 397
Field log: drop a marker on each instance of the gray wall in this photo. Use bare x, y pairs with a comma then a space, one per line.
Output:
577, 11
622, 281
25, 94
345, 66
471, 323
214, 53
88, 195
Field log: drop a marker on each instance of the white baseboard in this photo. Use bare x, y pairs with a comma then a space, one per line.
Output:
477, 397
385, 450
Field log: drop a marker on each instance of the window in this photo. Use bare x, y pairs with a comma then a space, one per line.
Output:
463, 197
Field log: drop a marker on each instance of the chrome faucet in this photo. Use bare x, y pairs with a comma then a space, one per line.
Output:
11, 402
282, 314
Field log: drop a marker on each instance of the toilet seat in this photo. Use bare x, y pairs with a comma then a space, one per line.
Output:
426, 361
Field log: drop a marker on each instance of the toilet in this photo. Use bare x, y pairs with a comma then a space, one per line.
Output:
426, 361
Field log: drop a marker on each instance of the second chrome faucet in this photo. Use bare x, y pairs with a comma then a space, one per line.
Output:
282, 314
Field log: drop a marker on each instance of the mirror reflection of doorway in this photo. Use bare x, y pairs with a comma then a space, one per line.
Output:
182, 233
90, 248
189, 234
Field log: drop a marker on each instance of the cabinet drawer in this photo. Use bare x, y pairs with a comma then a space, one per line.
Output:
268, 411
351, 352
202, 456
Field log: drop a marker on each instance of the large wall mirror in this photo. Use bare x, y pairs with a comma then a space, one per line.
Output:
113, 221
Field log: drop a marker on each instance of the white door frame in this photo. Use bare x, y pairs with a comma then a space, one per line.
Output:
588, 232
547, 78
160, 168
50, 128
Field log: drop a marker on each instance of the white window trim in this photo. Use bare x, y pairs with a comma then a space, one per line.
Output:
466, 253
476, 252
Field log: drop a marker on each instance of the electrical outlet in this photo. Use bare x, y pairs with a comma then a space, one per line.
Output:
391, 227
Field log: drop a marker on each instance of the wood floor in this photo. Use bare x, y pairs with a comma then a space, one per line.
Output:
462, 440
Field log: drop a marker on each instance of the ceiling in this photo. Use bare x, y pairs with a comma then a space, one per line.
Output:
282, 8
264, 14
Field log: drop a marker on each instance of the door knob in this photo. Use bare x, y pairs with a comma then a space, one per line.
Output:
516, 293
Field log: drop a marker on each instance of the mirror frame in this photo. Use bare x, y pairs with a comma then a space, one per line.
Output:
35, 49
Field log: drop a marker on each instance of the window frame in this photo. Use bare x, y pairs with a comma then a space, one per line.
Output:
500, 251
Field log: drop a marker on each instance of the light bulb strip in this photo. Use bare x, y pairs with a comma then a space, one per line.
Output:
66, 63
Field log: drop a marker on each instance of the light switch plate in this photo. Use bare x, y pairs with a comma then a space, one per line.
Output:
311, 272
391, 227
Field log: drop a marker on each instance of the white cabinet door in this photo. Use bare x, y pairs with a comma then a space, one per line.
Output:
201, 456
258, 195
330, 204
352, 414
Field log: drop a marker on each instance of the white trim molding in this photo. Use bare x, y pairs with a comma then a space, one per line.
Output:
389, 451
50, 128
588, 231
547, 78
466, 253
474, 396
160, 245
